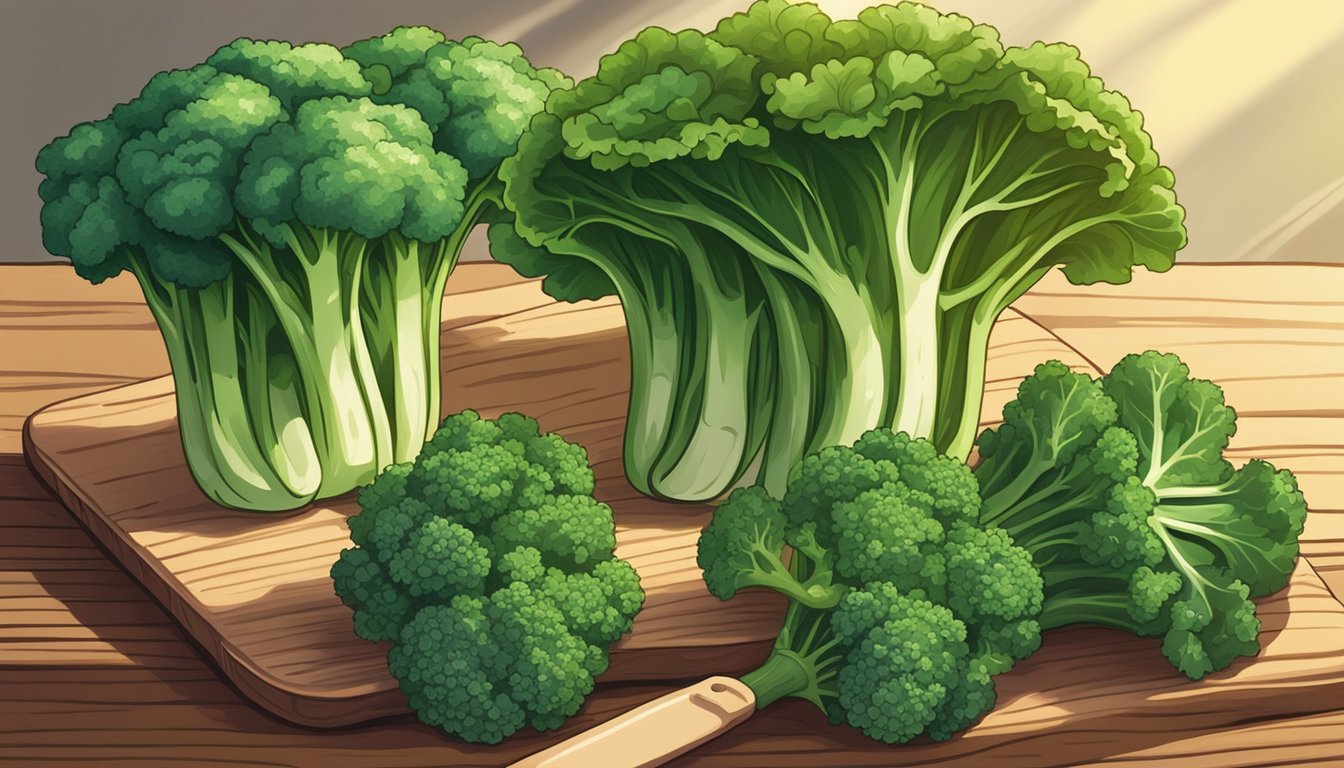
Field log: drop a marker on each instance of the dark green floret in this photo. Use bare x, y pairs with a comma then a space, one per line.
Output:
489, 566
901, 608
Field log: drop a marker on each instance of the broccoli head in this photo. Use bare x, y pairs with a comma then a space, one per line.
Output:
292, 229
1120, 490
489, 566
866, 194
901, 607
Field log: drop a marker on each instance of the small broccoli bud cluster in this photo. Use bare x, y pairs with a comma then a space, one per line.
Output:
489, 566
908, 669
902, 607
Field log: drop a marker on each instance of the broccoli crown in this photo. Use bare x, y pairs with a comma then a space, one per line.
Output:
157, 176
1120, 490
490, 567
456, 87
292, 228
271, 134
352, 165
902, 607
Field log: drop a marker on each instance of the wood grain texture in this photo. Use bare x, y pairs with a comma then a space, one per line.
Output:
254, 590
1086, 692
140, 698
1274, 344
1272, 338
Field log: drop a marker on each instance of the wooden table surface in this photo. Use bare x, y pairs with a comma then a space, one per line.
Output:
93, 671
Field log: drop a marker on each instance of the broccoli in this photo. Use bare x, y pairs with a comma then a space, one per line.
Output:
901, 608
292, 227
813, 224
488, 565
1120, 490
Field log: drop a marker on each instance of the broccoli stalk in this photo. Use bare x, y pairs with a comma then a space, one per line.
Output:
1119, 489
292, 221
866, 196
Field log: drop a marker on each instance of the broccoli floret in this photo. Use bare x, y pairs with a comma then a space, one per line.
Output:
1119, 489
522, 564
901, 608
833, 475
569, 531
888, 532
904, 659
993, 585
451, 667
440, 559
363, 583
599, 606
496, 582
742, 546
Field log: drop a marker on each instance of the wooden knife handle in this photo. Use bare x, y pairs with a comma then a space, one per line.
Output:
656, 732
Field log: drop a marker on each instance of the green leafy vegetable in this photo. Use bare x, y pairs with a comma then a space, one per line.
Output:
813, 224
1120, 490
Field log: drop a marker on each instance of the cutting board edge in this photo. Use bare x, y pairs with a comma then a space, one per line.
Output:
273, 694
329, 708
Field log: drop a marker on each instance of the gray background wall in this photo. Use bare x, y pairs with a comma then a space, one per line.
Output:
1243, 97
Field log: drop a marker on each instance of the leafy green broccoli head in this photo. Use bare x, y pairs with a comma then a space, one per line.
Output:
871, 192
1137, 521
901, 608
661, 96
491, 569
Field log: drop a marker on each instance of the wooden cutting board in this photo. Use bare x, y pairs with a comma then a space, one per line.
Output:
253, 591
